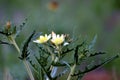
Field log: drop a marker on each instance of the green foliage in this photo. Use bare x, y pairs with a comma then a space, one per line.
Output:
52, 57
85, 17
81, 52
25, 52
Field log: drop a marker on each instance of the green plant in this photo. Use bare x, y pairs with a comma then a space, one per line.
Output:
54, 51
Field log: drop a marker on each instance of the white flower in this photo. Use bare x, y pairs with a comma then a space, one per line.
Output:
57, 39
43, 39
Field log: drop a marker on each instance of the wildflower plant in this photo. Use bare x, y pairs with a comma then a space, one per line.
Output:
58, 54
11, 32
54, 53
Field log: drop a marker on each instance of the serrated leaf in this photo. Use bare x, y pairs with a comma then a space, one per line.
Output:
96, 66
97, 53
5, 33
76, 56
17, 31
2, 42
25, 53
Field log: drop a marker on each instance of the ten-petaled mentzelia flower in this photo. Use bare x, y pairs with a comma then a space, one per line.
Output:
57, 39
43, 39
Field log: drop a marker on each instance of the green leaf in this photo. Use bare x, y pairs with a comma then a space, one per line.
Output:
96, 66
25, 53
76, 55
2, 42
20, 28
5, 33
97, 53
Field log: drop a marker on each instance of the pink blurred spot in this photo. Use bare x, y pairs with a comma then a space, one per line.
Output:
98, 75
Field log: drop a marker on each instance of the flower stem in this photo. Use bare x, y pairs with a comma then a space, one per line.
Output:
28, 69
51, 53
54, 69
15, 44
12, 40
71, 72
53, 58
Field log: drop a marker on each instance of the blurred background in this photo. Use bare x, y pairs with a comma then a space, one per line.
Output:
75, 17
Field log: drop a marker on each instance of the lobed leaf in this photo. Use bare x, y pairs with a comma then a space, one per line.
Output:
25, 53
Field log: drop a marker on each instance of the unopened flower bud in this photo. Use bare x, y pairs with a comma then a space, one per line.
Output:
8, 25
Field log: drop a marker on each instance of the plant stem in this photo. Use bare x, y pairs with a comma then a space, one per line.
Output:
28, 69
51, 53
71, 72
54, 69
24, 61
15, 44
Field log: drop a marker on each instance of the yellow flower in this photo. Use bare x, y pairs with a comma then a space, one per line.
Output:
43, 39
57, 39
